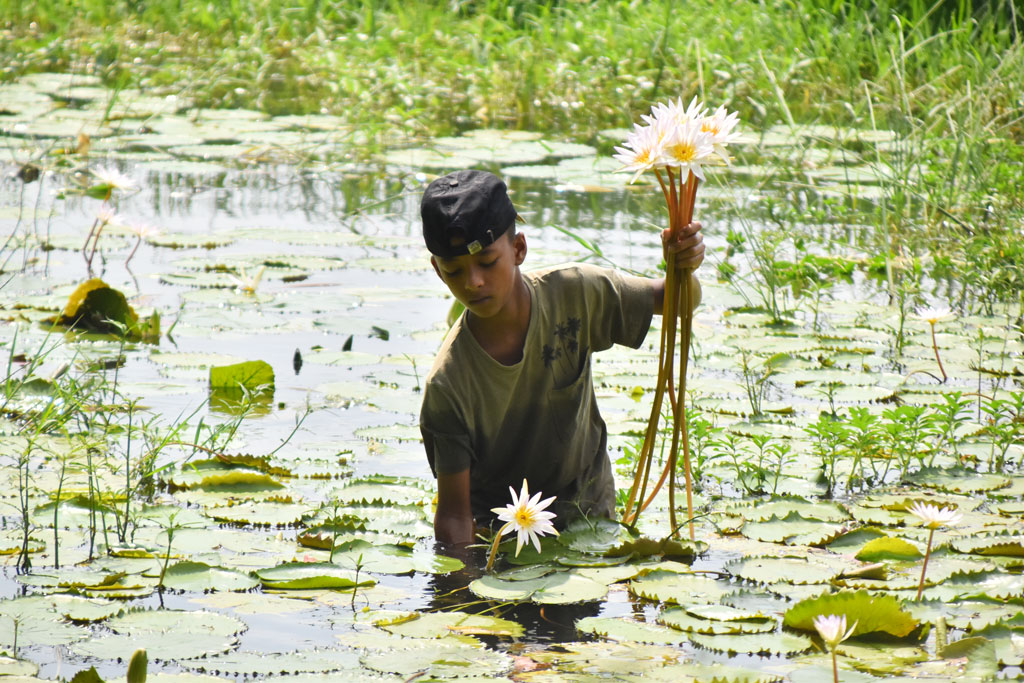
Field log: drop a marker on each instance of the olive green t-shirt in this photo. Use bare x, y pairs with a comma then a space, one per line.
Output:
537, 419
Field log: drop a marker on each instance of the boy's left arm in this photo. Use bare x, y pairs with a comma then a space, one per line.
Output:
688, 248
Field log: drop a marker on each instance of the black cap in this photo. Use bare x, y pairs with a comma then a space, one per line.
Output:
470, 208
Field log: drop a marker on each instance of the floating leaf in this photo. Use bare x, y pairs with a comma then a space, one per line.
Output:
796, 570
683, 589
767, 643
982, 660
197, 576
630, 631
888, 548
1006, 543
685, 619
871, 613
239, 482
959, 480
270, 664
793, 526
167, 635
261, 514
311, 575
252, 376
440, 659
555, 588
442, 624
1009, 644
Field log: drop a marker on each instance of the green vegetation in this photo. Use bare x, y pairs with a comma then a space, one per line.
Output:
571, 67
879, 175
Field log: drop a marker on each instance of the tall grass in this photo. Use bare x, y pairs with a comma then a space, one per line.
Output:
574, 67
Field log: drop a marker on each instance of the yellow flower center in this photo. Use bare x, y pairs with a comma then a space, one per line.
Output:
709, 127
524, 518
683, 151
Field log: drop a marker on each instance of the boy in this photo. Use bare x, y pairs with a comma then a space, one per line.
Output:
510, 395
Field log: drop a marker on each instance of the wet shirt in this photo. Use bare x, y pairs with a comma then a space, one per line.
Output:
536, 419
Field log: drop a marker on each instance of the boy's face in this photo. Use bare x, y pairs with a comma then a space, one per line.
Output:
483, 282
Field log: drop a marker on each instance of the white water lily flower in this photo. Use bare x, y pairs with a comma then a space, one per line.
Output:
832, 629
934, 315
246, 283
641, 151
932, 517
719, 126
686, 147
527, 517
107, 216
143, 230
672, 114
110, 176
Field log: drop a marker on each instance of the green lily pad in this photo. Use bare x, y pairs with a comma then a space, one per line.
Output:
765, 643
312, 575
440, 659
959, 480
871, 613
553, 589
795, 570
167, 635
630, 631
684, 589
689, 619
276, 664
197, 576
254, 375
443, 624
888, 548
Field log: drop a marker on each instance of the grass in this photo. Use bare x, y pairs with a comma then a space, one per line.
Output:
570, 67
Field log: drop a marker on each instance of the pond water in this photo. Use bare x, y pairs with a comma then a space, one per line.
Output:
348, 313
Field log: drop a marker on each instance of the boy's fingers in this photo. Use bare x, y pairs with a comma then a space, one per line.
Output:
684, 243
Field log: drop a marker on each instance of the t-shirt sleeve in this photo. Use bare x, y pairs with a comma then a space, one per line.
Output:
621, 307
445, 435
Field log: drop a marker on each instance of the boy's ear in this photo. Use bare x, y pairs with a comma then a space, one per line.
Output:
519, 247
437, 271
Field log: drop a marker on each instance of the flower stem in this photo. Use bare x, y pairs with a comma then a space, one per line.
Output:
835, 667
935, 347
495, 544
927, 554
665, 357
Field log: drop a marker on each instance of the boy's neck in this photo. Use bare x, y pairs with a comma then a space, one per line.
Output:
503, 335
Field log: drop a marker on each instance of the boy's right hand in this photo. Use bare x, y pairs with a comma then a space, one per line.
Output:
687, 246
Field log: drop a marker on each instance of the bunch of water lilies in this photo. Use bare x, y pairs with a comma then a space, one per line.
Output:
674, 143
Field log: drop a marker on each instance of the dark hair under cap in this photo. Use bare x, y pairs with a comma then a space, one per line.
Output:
465, 211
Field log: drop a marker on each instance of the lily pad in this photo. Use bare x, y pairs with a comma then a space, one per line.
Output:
764, 643
871, 613
167, 635
312, 575
630, 631
197, 576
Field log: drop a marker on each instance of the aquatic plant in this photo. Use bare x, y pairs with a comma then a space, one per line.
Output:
932, 517
526, 516
678, 140
933, 316
832, 629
